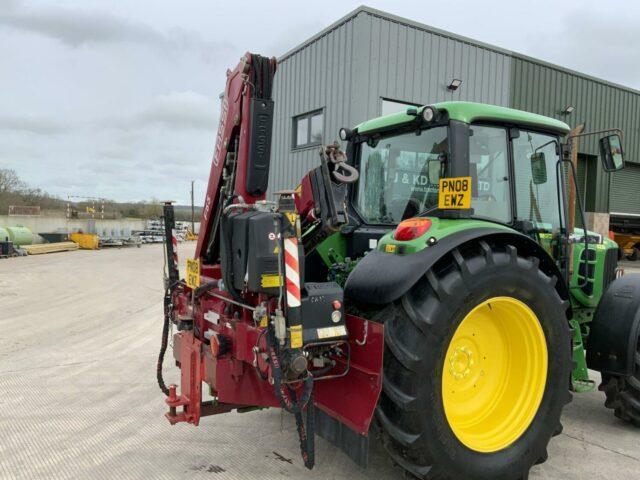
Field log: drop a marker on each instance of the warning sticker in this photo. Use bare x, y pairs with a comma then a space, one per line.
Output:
296, 336
193, 273
454, 193
293, 217
270, 280
330, 332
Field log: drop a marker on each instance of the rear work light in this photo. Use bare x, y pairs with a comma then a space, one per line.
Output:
412, 228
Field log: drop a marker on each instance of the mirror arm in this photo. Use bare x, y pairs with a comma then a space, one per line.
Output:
597, 132
562, 208
548, 143
560, 175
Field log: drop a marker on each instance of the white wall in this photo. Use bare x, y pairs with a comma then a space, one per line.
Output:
62, 225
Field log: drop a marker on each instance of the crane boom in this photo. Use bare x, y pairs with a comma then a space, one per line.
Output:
240, 164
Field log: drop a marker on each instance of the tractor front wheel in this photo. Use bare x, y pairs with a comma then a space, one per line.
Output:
477, 367
623, 392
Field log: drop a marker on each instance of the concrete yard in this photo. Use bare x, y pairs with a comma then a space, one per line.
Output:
80, 333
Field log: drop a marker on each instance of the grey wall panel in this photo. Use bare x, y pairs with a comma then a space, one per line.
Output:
317, 76
412, 64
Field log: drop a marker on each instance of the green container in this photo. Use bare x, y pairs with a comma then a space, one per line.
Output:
20, 235
4, 235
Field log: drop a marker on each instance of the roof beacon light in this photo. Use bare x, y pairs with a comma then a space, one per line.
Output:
411, 229
428, 114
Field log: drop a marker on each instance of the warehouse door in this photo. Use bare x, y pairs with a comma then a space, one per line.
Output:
624, 197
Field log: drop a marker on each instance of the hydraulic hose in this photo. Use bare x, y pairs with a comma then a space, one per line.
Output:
165, 340
306, 435
289, 401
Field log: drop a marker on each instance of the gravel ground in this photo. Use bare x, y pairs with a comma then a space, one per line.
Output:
79, 338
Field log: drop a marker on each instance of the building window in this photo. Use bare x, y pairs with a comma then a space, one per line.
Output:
394, 106
308, 129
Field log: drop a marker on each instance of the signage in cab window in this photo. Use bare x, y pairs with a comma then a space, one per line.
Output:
455, 193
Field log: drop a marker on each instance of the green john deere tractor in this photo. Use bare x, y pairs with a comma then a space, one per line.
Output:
459, 240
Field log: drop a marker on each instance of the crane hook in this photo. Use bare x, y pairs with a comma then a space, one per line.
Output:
339, 160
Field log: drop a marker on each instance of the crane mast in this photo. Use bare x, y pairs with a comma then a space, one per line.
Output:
240, 164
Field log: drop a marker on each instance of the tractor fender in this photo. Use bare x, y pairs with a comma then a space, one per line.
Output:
381, 278
615, 328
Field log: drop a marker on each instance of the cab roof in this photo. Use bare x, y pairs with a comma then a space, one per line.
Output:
470, 112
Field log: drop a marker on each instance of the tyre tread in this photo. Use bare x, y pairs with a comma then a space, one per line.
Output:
401, 436
406, 358
402, 400
622, 392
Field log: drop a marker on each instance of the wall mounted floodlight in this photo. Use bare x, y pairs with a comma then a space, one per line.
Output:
568, 110
454, 85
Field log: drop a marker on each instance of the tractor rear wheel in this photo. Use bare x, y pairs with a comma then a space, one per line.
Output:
623, 392
477, 367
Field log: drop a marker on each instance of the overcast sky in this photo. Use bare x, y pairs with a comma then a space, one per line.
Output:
120, 99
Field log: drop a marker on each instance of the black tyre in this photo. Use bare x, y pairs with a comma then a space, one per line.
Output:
634, 255
623, 392
419, 331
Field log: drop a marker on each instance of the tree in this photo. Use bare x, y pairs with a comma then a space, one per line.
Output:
10, 182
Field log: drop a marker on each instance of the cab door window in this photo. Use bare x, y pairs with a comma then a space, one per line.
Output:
489, 169
534, 160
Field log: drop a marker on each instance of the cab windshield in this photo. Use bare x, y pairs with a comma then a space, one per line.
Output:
399, 175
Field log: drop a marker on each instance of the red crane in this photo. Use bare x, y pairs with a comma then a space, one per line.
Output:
248, 324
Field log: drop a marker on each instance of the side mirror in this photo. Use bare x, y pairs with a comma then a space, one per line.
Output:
611, 153
538, 168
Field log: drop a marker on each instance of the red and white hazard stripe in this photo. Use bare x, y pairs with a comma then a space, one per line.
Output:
292, 271
174, 241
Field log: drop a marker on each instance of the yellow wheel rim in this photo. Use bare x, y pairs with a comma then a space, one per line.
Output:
494, 374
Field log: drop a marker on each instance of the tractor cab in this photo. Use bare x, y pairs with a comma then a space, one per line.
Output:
462, 160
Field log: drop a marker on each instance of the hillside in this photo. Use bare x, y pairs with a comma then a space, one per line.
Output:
15, 192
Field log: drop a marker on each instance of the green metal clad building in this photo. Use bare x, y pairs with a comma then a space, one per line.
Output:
370, 63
